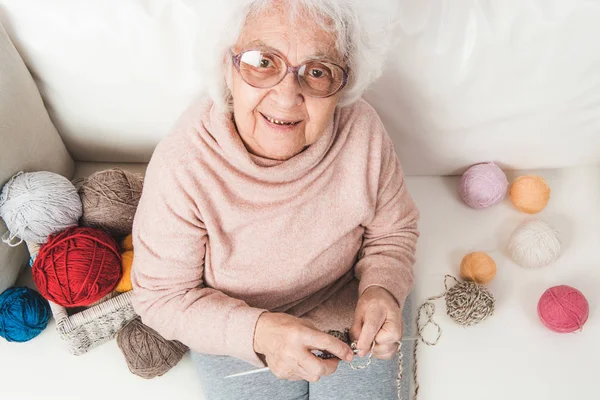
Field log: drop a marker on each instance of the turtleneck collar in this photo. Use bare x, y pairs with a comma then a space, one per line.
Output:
221, 127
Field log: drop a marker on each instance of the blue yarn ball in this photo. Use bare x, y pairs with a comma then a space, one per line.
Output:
24, 314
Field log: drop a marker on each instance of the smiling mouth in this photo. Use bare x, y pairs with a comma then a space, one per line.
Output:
279, 121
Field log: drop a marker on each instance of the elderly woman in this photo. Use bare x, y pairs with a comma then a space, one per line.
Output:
276, 210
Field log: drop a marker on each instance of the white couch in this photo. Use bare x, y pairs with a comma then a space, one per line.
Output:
516, 82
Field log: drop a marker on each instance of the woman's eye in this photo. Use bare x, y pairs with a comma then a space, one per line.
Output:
316, 73
265, 63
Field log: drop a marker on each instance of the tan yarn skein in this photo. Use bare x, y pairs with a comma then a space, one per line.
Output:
146, 352
110, 199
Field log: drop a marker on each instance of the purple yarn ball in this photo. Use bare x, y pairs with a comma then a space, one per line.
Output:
483, 185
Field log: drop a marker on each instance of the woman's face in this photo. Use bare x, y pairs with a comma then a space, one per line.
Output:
255, 109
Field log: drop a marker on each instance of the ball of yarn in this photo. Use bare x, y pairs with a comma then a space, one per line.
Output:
483, 185
110, 200
563, 309
478, 267
77, 267
146, 352
530, 194
35, 205
469, 303
534, 244
127, 243
24, 314
124, 284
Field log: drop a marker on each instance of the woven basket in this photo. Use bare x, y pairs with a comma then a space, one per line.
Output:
95, 325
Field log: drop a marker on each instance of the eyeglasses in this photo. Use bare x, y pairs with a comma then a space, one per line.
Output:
262, 69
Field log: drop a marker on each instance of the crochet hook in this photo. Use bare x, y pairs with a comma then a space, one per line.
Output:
256, 371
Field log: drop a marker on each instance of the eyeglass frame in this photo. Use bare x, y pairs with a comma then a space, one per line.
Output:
236, 59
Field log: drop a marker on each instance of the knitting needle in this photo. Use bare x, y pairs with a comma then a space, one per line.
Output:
256, 371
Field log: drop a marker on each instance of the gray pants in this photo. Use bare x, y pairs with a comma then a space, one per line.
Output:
376, 382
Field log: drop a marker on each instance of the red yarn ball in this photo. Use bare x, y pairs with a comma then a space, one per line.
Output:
77, 267
563, 309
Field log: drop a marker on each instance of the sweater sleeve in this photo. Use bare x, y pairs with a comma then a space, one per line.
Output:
169, 293
387, 253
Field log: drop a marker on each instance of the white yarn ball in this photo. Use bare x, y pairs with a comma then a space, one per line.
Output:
534, 244
35, 205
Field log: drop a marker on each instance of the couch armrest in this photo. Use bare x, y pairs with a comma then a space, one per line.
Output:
28, 141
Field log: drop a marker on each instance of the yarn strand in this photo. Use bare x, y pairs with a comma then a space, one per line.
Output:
427, 308
8, 239
467, 303
400, 371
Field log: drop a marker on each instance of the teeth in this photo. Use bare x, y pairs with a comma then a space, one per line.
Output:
275, 121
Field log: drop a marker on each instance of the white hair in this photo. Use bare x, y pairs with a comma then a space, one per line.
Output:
362, 28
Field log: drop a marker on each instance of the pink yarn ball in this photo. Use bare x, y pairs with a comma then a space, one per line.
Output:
563, 309
483, 185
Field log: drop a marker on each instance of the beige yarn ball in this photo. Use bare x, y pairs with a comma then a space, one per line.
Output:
530, 194
146, 352
534, 244
478, 267
110, 199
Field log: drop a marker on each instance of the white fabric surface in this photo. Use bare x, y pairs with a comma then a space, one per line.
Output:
517, 82
509, 356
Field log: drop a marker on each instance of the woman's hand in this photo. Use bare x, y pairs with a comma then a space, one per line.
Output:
287, 341
377, 318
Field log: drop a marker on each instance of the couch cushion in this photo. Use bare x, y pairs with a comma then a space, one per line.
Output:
512, 82
85, 168
115, 77
28, 141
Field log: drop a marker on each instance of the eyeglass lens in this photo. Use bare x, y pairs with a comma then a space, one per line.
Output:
263, 70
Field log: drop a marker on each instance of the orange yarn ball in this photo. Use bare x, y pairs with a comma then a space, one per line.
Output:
530, 194
127, 243
124, 284
478, 267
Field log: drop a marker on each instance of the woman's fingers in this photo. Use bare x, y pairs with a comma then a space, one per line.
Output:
286, 340
293, 377
325, 342
314, 367
390, 332
385, 351
388, 339
373, 321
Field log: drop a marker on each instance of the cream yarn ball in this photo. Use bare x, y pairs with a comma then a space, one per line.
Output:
534, 244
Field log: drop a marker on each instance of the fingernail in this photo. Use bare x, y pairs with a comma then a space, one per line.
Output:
350, 357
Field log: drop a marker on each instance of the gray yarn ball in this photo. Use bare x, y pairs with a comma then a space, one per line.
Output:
469, 303
35, 205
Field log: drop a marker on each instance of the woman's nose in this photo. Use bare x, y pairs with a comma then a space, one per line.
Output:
288, 92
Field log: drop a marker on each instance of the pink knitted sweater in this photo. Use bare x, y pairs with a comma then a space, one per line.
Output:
221, 235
